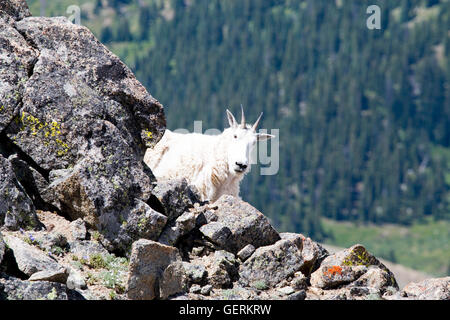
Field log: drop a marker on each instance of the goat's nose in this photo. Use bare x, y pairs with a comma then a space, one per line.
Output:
241, 165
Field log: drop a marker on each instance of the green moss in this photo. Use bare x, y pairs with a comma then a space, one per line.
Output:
32, 241
115, 274
260, 285
77, 264
229, 293
57, 250
373, 296
112, 279
95, 235
112, 295
97, 261
83, 261
91, 279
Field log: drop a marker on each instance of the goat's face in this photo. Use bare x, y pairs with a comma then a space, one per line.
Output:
240, 145
242, 139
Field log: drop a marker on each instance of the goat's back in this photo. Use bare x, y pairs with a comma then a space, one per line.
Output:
179, 155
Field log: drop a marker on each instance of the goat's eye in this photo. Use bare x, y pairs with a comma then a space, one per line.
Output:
235, 136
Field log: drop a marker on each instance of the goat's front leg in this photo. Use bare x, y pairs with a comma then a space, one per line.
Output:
204, 184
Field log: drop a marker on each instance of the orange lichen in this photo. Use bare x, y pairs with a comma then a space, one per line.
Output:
334, 270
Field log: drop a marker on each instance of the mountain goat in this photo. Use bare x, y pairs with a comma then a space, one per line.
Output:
214, 164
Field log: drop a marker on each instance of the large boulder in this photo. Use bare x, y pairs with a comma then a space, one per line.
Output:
79, 123
83, 81
235, 224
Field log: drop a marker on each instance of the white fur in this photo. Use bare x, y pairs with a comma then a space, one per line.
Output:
210, 163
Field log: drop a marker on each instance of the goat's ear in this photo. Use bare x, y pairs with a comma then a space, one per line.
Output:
231, 120
264, 136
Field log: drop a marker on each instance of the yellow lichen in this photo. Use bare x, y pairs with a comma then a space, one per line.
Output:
148, 134
357, 258
49, 132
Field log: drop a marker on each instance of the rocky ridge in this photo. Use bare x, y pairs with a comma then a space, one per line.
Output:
82, 217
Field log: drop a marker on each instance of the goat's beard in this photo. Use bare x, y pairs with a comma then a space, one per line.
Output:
240, 171
236, 171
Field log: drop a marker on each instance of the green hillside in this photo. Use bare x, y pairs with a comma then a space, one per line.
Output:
364, 115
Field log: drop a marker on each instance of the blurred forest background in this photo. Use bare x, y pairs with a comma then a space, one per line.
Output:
364, 115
